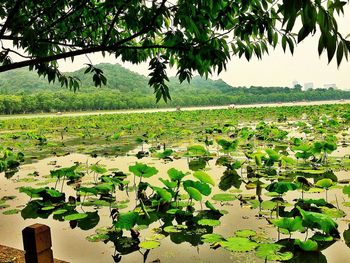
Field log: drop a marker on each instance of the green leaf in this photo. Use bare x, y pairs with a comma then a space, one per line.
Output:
281, 187
11, 212
291, 224
76, 216
175, 175
194, 193
196, 150
163, 194
174, 229
204, 177
272, 252
324, 183
126, 220
149, 244
320, 221
238, 244
143, 170
212, 238
308, 245
346, 190
97, 237
224, 197
208, 222
245, 233
53, 193
98, 169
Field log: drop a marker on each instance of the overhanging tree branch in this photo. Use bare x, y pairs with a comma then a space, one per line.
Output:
10, 17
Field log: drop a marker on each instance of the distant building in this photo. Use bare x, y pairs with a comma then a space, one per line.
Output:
327, 86
294, 83
309, 85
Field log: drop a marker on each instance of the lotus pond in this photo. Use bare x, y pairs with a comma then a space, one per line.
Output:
244, 185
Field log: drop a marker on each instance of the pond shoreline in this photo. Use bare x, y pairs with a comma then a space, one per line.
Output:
150, 110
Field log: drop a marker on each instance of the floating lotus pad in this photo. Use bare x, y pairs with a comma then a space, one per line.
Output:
156, 237
77, 216
212, 238
209, 222
245, 233
11, 212
273, 252
149, 244
224, 197
97, 237
174, 229
238, 244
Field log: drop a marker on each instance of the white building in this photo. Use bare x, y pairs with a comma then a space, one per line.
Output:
294, 83
309, 85
332, 85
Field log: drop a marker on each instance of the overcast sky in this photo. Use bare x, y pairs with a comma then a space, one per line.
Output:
276, 69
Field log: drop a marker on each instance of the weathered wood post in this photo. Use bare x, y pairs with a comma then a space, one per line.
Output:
37, 244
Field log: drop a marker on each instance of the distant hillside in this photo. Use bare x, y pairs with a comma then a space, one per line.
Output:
119, 78
22, 91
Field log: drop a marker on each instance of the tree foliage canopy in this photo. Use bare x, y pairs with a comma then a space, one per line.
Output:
190, 35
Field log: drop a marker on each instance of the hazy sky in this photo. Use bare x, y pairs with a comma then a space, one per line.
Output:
276, 69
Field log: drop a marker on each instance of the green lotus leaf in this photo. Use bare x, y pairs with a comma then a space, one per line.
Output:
346, 236
126, 220
324, 183
320, 221
196, 150
98, 169
175, 175
289, 223
97, 237
167, 183
59, 211
346, 190
322, 237
308, 245
104, 188
209, 222
281, 187
174, 229
268, 205
76, 216
238, 244
11, 212
333, 212
163, 194
224, 197
53, 193
212, 238
194, 193
149, 244
166, 153
204, 177
230, 178
210, 206
91, 190
31, 192
48, 208
245, 233
143, 170
203, 188
156, 237
272, 252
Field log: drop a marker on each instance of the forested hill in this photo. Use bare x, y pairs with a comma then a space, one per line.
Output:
22, 91
119, 79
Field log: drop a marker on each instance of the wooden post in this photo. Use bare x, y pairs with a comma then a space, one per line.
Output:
37, 244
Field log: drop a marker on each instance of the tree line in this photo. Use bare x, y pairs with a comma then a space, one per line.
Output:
108, 99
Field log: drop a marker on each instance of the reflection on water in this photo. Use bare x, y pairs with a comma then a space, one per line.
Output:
69, 238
